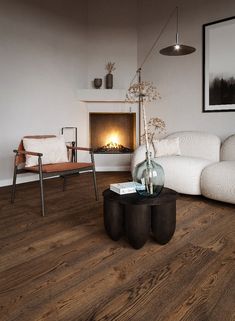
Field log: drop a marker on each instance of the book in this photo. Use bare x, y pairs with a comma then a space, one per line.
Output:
126, 187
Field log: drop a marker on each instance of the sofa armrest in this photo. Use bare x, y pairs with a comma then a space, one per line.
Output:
228, 149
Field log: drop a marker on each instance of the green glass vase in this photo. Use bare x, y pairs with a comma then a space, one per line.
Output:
151, 176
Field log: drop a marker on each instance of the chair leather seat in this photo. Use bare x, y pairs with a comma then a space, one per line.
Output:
60, 167
54, 169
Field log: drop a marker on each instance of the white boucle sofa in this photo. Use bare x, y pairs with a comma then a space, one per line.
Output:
218, 179
200, 152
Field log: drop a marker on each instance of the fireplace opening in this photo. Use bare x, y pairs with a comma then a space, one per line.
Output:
113, 133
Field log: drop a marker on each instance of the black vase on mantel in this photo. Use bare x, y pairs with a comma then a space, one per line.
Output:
109, 81
97, 83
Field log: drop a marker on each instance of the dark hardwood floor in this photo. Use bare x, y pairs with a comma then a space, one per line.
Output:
64, 267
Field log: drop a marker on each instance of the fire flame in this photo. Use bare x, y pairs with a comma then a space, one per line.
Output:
113, 144
113, 140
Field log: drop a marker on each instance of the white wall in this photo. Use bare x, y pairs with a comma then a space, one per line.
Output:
112, 37
43, 61
179, 79
49, 50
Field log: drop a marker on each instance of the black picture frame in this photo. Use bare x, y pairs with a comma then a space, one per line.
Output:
218, 76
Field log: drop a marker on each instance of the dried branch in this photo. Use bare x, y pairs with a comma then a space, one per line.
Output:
148, 93
155, 126
145, 89
110, 67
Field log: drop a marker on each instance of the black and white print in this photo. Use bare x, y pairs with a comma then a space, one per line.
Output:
219, 66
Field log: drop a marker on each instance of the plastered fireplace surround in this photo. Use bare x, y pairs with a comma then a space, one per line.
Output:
108, 102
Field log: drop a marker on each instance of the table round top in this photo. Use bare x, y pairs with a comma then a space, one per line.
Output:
165, 196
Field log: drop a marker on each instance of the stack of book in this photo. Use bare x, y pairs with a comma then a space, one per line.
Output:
126, 187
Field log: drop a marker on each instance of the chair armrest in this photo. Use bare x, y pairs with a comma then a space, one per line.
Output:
86, 149
80, 148
24, 152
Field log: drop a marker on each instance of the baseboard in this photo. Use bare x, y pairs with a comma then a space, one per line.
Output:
20, 179
112, 168
31, 178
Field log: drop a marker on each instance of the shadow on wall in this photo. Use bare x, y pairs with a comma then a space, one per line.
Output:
67, 9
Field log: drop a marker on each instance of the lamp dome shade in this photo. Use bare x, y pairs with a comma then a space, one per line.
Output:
182, 50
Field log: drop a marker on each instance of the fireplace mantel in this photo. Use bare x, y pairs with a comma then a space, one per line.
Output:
102, 95
104, 101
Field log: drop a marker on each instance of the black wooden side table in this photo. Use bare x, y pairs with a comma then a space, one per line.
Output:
136, 216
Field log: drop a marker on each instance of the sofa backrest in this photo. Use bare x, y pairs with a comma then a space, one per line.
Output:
227, 152
198, 144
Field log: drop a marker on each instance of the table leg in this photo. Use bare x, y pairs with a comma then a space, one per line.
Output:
163, 222
137, 223
113, 219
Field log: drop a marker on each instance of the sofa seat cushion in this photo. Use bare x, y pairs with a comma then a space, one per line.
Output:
61, 167
218, 181
183, 173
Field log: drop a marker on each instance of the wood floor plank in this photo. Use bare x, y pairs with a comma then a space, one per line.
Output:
63, 267
201, 294
224, 309
131, 303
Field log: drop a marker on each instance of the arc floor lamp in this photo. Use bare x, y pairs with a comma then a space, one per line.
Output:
177, 49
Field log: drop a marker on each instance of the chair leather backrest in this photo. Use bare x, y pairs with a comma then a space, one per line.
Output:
20, 159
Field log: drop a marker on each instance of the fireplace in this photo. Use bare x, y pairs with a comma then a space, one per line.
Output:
112, 133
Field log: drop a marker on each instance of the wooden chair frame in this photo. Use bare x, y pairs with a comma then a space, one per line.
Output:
43, 174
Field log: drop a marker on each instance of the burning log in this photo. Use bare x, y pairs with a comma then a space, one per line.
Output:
112, 147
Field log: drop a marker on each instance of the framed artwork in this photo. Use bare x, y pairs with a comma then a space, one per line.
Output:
219, 66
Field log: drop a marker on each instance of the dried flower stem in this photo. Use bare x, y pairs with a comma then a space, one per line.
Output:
155, 126
145, 130
110, 67
146, 92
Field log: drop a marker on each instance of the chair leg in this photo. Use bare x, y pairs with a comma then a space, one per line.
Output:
95, 185
94, 175
13, 191
41, 186
64, 182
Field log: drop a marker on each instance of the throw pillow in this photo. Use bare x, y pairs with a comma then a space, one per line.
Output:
166, 147
54, 150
